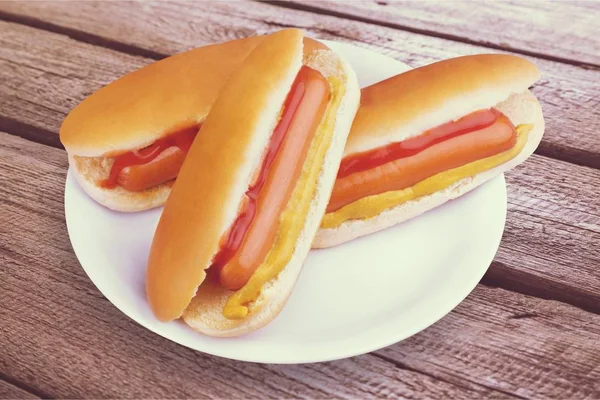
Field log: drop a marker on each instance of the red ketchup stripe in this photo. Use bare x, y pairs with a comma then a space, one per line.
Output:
382, 155
182, 139
242, 223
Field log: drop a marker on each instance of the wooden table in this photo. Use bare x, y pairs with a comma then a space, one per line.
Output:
531, 329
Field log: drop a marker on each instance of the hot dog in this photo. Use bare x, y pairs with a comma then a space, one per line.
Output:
429, 135
127, 141
249, 197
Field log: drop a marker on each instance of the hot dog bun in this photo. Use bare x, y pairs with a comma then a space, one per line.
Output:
143, 106
415, 101
219, 168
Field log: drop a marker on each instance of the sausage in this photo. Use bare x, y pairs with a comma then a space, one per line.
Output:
163, 168
406, 172
280, 180
157, 163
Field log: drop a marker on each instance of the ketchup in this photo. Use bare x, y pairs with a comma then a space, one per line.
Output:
373, 158
181, 139
240, 226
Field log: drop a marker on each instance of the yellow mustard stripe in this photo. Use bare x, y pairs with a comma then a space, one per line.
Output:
371, 206
292, 219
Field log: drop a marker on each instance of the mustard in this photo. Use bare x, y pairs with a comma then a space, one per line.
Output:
371, 206
292, 219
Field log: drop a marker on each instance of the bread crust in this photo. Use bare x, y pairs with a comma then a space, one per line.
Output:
519, 108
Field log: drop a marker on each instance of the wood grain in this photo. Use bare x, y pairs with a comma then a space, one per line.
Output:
568, 93
64, 338
560, 30
10, 391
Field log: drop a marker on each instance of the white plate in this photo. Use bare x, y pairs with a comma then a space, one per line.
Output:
349, 300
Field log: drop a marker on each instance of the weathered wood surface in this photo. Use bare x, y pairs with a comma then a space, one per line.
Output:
563, 30
10, 391
532, 330
65, 339
524, 346
568, 92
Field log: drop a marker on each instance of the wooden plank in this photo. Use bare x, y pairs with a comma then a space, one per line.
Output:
560, 30
568, 93
65, 338
10, 391
59, 334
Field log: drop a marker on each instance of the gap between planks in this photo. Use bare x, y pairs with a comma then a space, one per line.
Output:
401, 365
500, 276
14, 389
30, 132
426, 32
82, 36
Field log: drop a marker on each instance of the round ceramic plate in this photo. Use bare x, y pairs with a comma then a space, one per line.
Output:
349, 300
